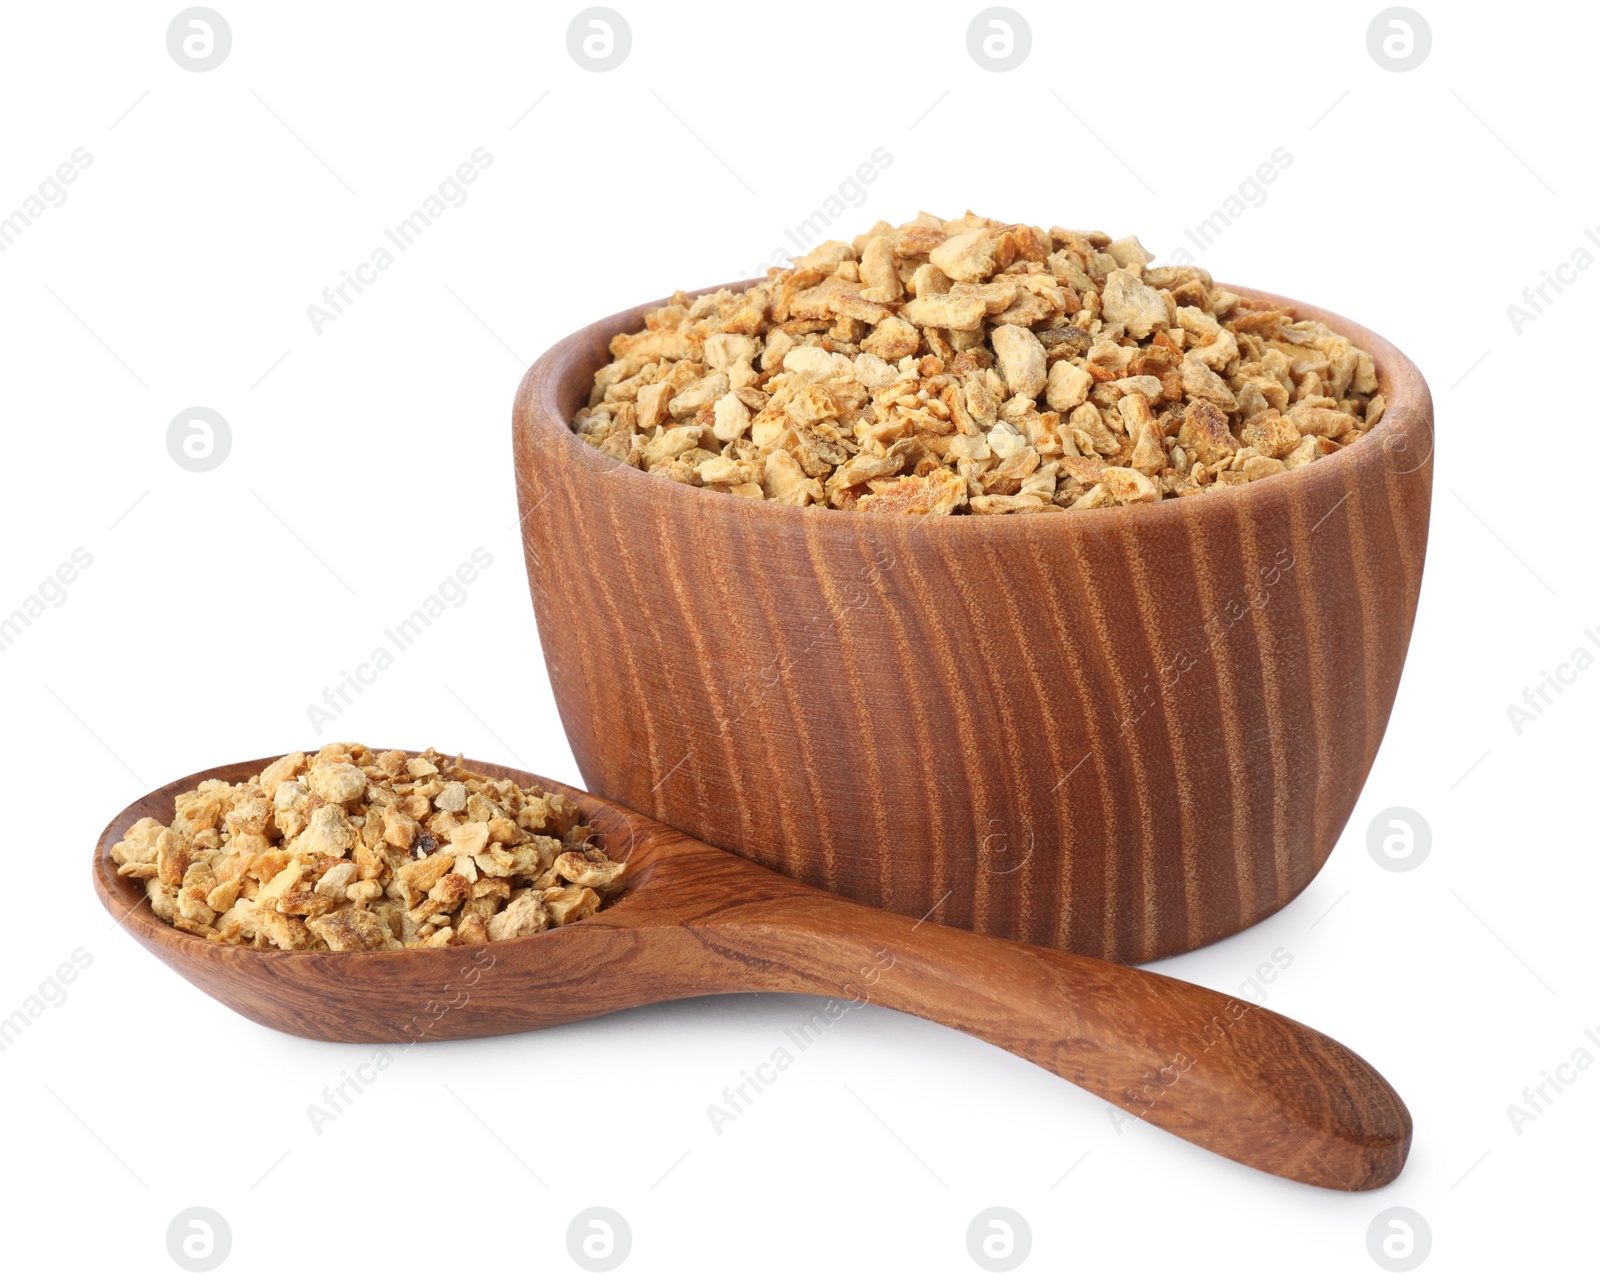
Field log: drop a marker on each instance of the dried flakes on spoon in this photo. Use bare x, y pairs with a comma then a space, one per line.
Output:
351, 850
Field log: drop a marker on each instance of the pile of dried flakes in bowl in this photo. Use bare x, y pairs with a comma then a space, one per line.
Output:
354, 850
977, 366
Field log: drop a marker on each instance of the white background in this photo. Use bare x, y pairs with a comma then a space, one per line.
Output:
369, 460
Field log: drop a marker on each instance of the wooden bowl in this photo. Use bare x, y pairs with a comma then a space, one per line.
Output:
1126, 732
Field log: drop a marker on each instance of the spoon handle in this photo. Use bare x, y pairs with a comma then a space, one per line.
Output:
1238, 1079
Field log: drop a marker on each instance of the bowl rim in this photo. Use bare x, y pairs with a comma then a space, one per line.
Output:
537, 417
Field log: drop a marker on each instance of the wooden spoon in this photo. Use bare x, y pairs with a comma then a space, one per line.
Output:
1238, 1079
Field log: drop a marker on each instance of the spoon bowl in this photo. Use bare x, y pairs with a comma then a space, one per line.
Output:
693, 920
